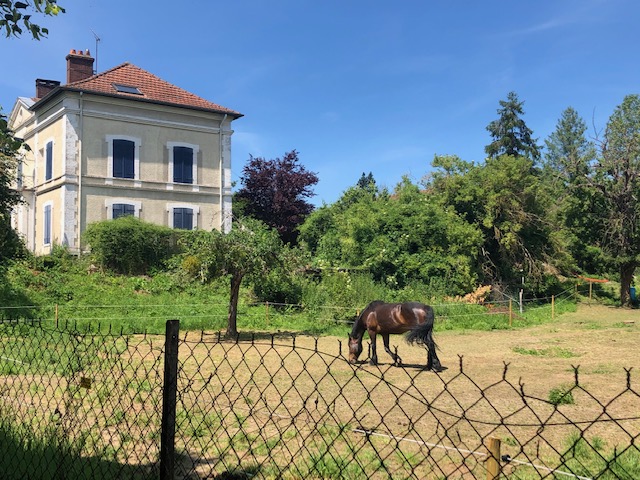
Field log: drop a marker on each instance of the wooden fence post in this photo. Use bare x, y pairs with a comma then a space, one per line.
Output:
493, 460
553, 307
267, 312
510, 312
168, 429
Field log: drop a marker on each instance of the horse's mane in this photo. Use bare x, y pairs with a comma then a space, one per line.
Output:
358, 325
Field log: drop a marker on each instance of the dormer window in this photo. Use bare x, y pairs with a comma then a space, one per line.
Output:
127, 89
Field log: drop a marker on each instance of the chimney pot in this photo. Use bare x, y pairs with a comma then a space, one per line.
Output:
79, 66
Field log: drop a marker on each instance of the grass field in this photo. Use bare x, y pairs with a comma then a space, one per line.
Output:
265, 399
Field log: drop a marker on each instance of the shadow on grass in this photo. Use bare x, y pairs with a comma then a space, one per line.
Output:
28, 458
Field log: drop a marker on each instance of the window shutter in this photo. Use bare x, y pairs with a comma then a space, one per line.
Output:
122, 209
48, 161
182, 165
183, 218
124, 158
47, 224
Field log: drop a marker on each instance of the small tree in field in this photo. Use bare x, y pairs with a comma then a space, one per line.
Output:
275, 192
250, 250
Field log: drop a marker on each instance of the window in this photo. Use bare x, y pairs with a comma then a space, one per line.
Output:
127, 89
183, 218
183, 165
122, 210
48, 158
183, 162
120, 207
47, 224
124, 154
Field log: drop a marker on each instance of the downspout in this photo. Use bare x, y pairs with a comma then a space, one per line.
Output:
81, 126
221, 199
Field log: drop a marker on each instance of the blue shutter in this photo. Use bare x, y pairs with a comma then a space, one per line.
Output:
47, 224
182, 165
183, 218
123, 158
48, 161
122, 209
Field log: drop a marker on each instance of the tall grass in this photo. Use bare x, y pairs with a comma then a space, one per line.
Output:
70, 290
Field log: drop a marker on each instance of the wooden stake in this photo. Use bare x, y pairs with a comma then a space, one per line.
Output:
493, 460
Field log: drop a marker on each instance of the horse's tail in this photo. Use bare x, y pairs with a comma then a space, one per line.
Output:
423, 334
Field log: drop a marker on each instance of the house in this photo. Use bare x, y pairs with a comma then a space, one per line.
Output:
120, 142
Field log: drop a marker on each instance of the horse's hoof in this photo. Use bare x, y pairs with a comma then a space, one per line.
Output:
439, 369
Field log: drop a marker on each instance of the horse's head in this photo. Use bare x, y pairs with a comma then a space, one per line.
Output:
355, 349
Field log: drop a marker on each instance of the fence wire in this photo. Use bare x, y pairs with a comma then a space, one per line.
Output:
77, 404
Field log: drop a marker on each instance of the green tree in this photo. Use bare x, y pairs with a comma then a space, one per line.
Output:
616, 175
503, 199
249, 251
13, 14
510, 134
577, 210
397, 239
10, 148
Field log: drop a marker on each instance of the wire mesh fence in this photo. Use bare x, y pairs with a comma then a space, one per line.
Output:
81, 404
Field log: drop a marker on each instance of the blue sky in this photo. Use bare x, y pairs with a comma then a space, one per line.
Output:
362, 85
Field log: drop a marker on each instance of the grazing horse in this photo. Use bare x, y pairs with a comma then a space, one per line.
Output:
393, 318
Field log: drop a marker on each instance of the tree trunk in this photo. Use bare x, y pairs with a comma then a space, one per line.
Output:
626, 277
232, 322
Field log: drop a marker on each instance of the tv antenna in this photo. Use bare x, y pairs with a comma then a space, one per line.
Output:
95, 70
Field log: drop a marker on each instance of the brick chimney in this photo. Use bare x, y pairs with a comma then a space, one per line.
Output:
79, 65
43, 87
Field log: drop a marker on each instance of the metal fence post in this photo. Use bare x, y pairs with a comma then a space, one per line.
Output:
167, 435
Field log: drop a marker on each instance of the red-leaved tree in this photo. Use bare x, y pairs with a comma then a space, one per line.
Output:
276, 192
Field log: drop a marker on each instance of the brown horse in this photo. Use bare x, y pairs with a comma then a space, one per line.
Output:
415, 319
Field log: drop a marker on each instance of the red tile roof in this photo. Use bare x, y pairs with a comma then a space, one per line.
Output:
153, 88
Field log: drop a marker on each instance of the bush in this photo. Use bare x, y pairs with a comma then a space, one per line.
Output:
278, 287
130, 246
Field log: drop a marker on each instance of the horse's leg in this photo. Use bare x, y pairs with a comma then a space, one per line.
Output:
396, 358
433, 362
374, 353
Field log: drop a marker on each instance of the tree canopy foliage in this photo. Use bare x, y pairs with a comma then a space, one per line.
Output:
577, 211
276, 192
616, 175
510, 134
10, 151
398, 239
250, 250
15, 17
504, 200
